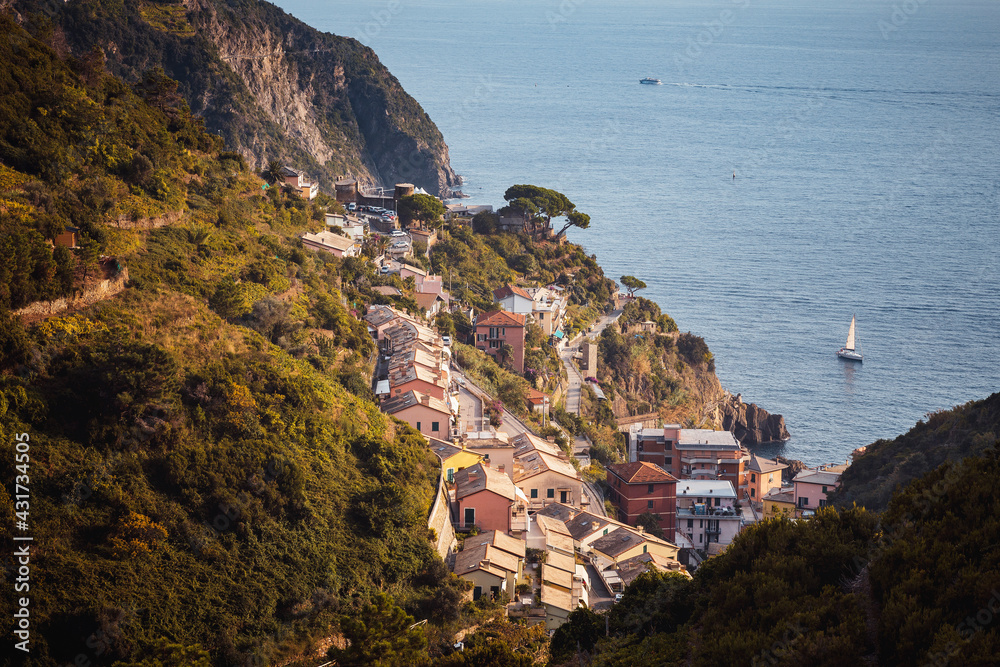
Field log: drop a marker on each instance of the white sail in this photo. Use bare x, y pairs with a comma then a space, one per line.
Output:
850, 336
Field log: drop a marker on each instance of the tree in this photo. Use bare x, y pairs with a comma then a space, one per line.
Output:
651, 522
632, 284
485, 222
380, 634
272, 173
575, 219
160, 91
425, 209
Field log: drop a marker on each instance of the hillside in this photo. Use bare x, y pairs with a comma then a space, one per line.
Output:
272, 87
205, 472
889, 465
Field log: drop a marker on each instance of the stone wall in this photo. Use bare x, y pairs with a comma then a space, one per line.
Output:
39, 310
440, 521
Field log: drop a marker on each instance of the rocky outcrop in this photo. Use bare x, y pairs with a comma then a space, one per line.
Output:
271, 86
751, 424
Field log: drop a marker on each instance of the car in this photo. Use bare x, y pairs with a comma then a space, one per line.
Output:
352, 207
386, 269
398, 232
446, 339
400, 244
618, 597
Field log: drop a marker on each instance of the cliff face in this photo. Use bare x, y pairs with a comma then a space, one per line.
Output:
751, 424
271, 86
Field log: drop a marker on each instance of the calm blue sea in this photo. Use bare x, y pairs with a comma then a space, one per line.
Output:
863, 135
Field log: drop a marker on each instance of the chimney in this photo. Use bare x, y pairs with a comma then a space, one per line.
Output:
425, 399
594, 525
551, 438
486, 461
641, 530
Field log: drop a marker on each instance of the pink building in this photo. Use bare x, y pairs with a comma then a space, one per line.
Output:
499, 328
811, 489
488, 499
423, 412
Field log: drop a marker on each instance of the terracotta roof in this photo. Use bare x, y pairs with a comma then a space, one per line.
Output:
387, 290
762, 465
558, 511
411, 398
641, 472
535, 396
510, 290
426, 300
330, 240
560, 560
501, 541
549, 524
617, 542
480, 478
557, 597
536, 462
557, 576
500, 318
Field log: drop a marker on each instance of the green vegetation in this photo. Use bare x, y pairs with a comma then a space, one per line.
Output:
420, 208
890, 465
632, 284
918, 585
207, 476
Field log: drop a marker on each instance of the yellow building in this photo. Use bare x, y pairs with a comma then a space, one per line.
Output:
780, 504
763, 476
453, 458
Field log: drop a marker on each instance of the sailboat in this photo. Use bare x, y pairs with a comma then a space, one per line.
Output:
848, 351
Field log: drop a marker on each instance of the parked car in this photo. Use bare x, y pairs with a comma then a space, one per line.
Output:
446, 339
386, 269
618, 597
398, 233
352, 207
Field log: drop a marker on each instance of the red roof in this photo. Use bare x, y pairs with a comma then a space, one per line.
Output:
510, 290
535, 396
641, 472
500, 318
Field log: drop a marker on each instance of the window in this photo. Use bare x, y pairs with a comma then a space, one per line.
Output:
753, 477
690, 523
649, 504
670, 460
418, 426
822, 503
477, 592
550, 493
534, 493
667, 443
451, 474
564, 496
541, 317
824, 489
605, 531
753, 493
470, 516
643, 548
699, 537
803, 501
718, 501
649, 488
435, 426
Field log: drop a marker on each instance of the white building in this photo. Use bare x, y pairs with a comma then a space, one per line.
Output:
706, 512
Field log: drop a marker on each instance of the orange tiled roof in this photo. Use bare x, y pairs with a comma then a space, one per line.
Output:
500, 318
641, 472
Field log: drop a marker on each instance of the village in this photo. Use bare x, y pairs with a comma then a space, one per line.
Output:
514, 516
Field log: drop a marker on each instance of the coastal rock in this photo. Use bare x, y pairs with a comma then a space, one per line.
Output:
752, 425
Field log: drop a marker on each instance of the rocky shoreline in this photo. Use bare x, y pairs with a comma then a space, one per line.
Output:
751, 424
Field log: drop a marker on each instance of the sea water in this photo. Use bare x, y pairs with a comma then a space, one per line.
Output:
863, 136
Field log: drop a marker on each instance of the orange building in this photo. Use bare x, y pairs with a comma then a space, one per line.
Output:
499, 328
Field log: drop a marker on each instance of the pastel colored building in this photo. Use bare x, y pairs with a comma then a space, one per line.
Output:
453, 458
624, 543
498, 329
693, 453
297, 182
546, 478
492, 571
764, 476
429, 415
488, 500
640, 487
706, 512
780, 503
335, 244
513, 299
811, 489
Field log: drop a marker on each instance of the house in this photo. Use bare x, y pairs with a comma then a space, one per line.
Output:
453, 458
811, 489
640, 487
548, 534
492, 571
499, 330
629, 569
335, 244
706, 512
298, 183
429, 415
538, 402
558, 604
487, 499
692, 453
353, 227
764, 476
418, 378
494, 446
430, 303
543, 472
415, 272
624, 543
547, 308
456, 211
513, 299
586, 528
780, 503
503, 551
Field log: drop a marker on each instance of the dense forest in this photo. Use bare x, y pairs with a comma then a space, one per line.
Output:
946, 435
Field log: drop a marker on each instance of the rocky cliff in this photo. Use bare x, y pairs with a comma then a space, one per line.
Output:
271, 86
752, 425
